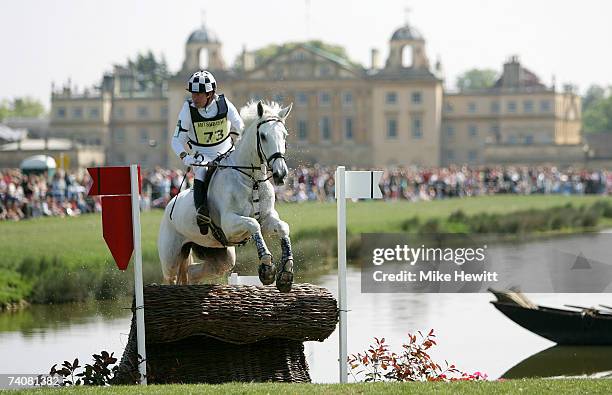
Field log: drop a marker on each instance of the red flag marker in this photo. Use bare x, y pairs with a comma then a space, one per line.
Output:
117, 228
111, 180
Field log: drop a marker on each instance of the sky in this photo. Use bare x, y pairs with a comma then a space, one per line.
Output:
55, 41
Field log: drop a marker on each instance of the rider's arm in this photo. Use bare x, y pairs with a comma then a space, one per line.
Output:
181, 132
237, 123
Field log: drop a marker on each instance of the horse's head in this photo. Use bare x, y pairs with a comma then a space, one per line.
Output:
272, 139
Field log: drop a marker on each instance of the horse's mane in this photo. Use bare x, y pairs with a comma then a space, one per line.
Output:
249, 115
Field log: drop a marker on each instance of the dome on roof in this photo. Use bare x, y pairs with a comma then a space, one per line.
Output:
202, 35
406, 32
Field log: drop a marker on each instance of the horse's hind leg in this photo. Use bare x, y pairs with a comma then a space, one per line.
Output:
172, 252
216, 262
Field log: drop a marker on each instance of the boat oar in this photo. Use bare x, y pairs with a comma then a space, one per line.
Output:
606, 307
579, 307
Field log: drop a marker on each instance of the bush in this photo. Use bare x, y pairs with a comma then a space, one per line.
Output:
413, 363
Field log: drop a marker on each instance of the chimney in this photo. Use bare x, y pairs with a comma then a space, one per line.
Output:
375, 56
248, 60
512, 73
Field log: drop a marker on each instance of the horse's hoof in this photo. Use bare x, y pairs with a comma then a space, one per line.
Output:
284, 278
267, 270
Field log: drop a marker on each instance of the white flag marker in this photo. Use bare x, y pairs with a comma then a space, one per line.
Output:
351, 185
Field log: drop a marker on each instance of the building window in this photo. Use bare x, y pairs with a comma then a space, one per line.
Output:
144, 136
301, 98
495, 107
417, 128
473, 130
120, 135
472, 107
472, 155
143, 112
325, 71
528, 106
324, 99
545, 106
119, 112
77, 112
347, 99
529, 139
391, 98
512, 139
450, 154
512, 106
61, 112
417, 97
302, 127
164, 112
392, 128
325, 126
448, 107
450, 130
348, 128
94, 113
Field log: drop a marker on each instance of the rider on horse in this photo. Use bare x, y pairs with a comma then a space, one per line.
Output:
204, 126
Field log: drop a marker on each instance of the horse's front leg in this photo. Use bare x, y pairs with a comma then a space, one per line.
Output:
236, 224
284, 277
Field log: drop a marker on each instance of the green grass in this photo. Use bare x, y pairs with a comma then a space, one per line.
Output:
65, 259
530, 386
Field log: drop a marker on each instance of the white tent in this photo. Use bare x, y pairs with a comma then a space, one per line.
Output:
38, 162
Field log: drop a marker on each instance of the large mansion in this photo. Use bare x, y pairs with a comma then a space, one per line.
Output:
389, 113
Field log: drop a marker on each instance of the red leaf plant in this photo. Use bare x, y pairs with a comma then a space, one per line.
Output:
413, 363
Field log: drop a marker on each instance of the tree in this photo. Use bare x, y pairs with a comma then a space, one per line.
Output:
149, 69
598, 116
594, 94
26, 107
476, 79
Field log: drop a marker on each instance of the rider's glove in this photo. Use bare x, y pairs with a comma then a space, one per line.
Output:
189, 160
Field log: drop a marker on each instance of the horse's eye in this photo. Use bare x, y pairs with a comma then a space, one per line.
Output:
263, 137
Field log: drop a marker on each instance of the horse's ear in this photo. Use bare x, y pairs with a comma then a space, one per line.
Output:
260, 109
285, 111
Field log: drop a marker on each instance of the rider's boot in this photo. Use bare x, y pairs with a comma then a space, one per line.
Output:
198, 197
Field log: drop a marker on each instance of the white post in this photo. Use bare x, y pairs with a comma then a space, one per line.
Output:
138, 286
341, 204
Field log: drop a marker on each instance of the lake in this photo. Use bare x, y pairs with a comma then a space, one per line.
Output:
471, 333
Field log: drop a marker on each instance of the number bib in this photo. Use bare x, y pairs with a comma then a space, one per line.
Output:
211, 132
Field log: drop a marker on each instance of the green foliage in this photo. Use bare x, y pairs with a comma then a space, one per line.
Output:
26, 107
148, 69
13, 288
598, 116
268, 52
594, 94
475, 79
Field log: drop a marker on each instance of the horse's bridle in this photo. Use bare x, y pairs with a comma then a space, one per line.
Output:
260, 152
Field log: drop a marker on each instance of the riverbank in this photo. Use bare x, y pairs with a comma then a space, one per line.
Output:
58, 260
531, 386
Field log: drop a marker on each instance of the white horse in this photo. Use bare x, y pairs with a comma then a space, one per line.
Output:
239, 192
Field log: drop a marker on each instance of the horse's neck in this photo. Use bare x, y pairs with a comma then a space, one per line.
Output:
245, 154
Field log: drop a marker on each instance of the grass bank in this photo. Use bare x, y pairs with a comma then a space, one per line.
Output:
56, 260
530, 386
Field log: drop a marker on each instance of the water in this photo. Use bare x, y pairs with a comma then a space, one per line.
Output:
471, 333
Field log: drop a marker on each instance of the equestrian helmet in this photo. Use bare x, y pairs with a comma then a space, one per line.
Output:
202, 81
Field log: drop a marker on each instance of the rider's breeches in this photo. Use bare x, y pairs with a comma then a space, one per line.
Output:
199, 172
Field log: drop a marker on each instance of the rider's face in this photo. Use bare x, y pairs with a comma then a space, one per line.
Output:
201, 99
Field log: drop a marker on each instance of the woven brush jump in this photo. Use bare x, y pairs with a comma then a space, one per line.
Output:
220, 333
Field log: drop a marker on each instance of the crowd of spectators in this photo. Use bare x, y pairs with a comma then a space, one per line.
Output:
65, 194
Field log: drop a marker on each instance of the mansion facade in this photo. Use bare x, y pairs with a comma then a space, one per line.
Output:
396, 113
